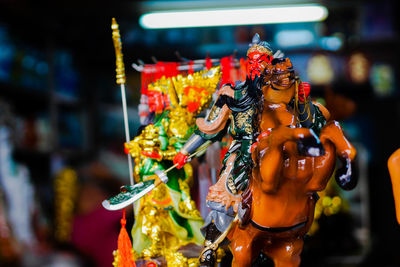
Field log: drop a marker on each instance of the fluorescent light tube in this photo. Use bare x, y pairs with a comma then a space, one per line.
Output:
230, 17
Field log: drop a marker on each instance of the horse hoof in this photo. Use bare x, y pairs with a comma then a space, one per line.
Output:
345, 176
310, 147
208, 258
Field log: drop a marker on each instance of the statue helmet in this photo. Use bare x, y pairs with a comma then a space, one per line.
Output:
260, 46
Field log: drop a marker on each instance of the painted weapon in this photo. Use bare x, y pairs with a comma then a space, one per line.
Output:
120, 70
130, 193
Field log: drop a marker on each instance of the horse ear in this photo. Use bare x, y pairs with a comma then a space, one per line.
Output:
288, 62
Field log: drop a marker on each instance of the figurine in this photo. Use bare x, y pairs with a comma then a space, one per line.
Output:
242, 106
394, 170
265, 196
167, 219
283, 152
291, 165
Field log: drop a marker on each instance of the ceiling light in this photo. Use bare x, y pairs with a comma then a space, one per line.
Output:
231, 17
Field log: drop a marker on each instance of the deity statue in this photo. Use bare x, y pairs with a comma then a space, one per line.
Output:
167, 219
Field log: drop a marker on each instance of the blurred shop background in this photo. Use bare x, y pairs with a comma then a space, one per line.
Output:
62, 132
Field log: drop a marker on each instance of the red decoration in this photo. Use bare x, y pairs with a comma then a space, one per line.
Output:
170, 69
125, 246
152, 155
208, 63
180, 159
226, 67
242, 69
191, 71
126, 150
147, 77
152, 264
304, 91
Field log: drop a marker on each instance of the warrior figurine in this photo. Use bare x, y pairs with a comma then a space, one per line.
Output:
238, 110
166, 218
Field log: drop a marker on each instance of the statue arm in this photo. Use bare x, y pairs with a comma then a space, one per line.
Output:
219, 113
274, 159
311, 115
211, 128
336, 145
268, 152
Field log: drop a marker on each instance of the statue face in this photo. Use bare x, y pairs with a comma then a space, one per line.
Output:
256, 63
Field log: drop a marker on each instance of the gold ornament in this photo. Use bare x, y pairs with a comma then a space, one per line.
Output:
196, 88
120, 69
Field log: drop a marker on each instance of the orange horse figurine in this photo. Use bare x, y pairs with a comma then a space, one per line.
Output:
394, 170
291, 165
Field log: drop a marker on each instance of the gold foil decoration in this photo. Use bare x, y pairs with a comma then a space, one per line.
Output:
197, 87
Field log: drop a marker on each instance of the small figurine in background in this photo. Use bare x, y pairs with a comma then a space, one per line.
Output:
394, 170
15, 177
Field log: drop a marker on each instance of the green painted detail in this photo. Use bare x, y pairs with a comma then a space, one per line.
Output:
164, 142
319, 121
148, 164
131, 191
173, 177
181, 222
213, 137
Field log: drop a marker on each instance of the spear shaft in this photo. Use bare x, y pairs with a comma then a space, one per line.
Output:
120, 79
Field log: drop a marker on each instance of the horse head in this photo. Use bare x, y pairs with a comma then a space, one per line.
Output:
280, 85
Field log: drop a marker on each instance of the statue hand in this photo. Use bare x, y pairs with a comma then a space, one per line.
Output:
180, 159
132, 148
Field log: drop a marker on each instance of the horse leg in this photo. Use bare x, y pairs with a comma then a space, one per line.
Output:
285, 253
242, 247
323, 167
269, 152
345, 151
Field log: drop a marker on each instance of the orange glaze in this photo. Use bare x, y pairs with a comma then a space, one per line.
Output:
283, 184
394, 170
